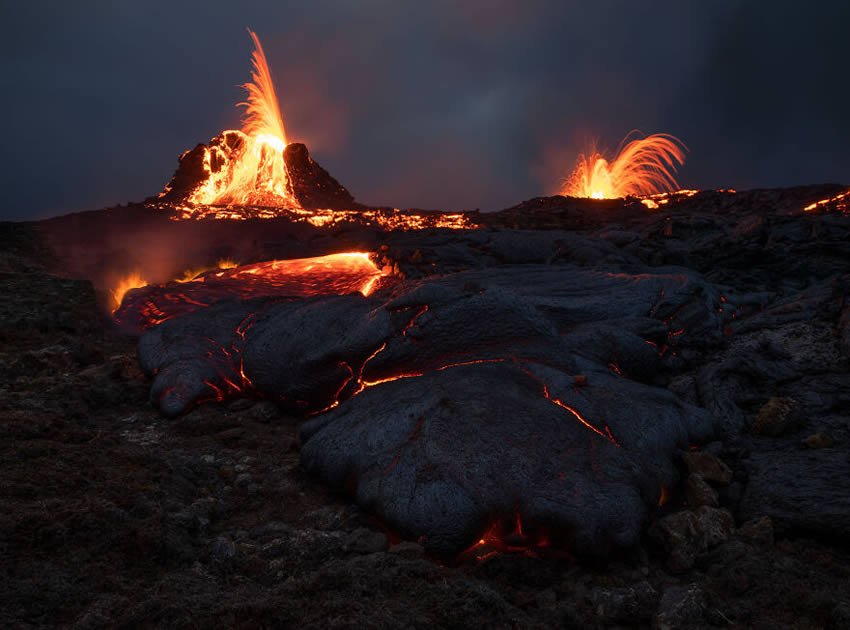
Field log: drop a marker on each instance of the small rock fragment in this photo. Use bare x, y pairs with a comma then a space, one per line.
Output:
223, 549
365, 540
707, 466
758, 531
408, 549
688, 533
681, 607
678, 534
547, 599
626, 604
777, 416
715, 525
265, 411
819, 440
698, 492
841, 615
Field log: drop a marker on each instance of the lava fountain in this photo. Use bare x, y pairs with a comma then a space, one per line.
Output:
247, 166
642, 166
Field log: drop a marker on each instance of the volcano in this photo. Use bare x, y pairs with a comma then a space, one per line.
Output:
309, 186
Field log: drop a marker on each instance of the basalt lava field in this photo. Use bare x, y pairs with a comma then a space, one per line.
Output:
251, 400
570, 411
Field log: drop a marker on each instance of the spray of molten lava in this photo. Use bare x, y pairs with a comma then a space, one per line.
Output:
247, 166
642, 166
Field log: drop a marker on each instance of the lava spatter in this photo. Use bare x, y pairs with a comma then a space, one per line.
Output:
642, 166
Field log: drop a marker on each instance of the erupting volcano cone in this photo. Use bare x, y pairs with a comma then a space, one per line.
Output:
255, 166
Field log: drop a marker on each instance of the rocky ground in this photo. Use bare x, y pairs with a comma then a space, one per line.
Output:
111, 515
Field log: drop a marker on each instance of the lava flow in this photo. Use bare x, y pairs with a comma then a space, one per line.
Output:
644, 166
383, 218
839, 202
335, 274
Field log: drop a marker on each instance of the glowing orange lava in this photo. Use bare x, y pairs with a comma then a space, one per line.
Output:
322, 275
643, 166
133, 280
384, 218
501, 537
194, 272
247, 166
334, 274
839, 201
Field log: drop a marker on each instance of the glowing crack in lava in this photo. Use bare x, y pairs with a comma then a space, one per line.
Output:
642, 166
247, 166
334, 274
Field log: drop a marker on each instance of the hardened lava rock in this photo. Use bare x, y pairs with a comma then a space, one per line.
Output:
470, 401
446, 457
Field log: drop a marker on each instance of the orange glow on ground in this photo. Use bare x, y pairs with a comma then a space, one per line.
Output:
644, 166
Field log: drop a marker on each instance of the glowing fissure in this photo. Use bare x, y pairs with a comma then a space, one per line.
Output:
641, 167
606, 434
361, 383
498, 538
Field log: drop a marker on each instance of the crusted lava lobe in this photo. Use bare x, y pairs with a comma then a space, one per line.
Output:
467, 400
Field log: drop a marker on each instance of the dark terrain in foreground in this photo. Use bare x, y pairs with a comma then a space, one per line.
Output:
111, 515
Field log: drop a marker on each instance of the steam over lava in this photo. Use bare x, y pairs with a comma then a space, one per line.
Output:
247, 166
643, 166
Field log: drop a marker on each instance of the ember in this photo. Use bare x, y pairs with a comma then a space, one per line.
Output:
644, 166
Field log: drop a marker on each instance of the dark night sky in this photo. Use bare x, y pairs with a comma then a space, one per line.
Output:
440, 104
